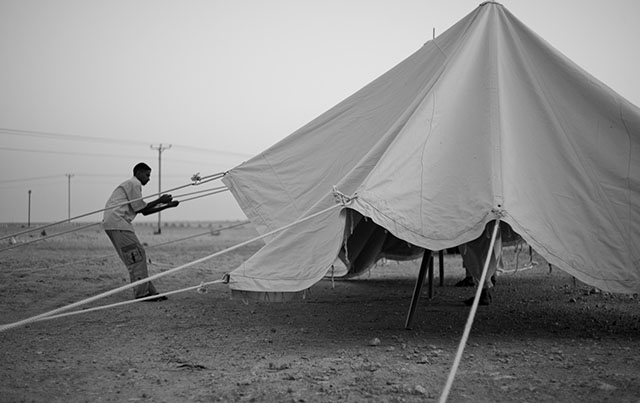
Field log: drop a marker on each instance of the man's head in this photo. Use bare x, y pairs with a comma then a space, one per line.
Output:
142, 171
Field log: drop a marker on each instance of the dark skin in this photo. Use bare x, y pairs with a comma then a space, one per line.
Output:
163, 202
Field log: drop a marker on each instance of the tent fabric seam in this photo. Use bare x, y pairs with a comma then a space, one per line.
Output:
424, 146
398, 224
626, 129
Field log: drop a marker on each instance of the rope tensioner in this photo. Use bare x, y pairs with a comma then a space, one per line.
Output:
196, 178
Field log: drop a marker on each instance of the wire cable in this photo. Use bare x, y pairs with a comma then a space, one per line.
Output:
204, 195
133, 301
219, 188
91, 139
196, 180
16, 245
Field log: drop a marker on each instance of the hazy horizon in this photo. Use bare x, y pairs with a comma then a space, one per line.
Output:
90, 88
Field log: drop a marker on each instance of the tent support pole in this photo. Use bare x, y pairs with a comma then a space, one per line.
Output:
427, 259
441, 266
430, 277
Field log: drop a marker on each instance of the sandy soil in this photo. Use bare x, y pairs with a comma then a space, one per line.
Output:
545, 338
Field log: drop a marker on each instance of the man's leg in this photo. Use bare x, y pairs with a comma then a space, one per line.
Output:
134, 257
474, 254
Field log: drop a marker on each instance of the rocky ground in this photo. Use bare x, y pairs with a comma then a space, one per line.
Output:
545, 337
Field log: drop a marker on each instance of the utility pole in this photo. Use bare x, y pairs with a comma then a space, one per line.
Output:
69, 176
29, 211
160, 149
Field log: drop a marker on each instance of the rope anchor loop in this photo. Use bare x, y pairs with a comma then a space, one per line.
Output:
342, 198
202, 288
499, 212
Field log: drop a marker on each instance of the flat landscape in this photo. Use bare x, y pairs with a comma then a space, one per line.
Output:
545, 337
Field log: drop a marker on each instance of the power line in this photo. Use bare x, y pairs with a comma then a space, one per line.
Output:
30, 179
210, 150
101, 155
59, 177
32, 185
32, 150
75, 137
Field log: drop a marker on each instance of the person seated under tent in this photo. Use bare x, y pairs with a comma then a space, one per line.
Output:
366, 243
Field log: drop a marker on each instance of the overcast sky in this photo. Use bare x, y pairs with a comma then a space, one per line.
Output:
86, 86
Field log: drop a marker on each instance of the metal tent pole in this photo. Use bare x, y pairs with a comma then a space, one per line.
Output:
427, 260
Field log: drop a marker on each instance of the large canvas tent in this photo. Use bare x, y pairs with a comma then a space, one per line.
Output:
485, 121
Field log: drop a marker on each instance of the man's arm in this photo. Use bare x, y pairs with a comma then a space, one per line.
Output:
163, 202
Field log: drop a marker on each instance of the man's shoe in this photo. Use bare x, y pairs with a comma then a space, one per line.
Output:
485, 298
466, 282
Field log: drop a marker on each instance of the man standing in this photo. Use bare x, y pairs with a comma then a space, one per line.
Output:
127, 202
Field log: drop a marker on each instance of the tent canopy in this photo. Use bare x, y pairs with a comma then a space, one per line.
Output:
485, 121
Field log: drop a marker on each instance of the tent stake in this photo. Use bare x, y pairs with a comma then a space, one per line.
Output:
427, 259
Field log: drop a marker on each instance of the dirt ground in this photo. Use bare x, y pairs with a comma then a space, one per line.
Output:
545, 338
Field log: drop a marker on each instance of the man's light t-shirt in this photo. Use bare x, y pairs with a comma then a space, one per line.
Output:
120, 218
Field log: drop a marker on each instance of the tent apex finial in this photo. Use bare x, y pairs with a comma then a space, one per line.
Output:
489, 2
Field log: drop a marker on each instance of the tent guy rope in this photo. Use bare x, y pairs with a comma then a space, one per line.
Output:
196, 180
133, 301
211, 192
111, 255
472, 314
171, 271
19, 244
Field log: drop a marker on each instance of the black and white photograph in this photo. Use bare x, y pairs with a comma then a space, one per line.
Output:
319, 201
